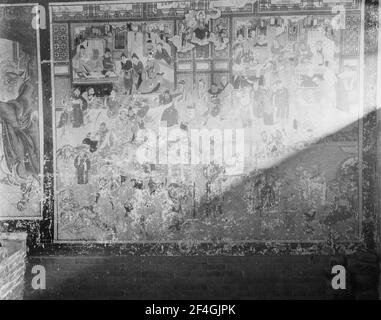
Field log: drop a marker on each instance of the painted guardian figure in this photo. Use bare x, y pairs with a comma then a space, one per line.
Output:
20, 113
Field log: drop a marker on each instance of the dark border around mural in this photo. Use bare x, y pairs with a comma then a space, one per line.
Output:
41, 232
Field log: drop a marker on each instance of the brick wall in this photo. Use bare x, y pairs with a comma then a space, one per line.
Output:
186, 277
12, 266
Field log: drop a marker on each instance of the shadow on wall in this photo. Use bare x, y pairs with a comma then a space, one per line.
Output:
311, 194
245, 269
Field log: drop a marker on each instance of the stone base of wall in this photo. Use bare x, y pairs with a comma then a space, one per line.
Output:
193, 277
12, 265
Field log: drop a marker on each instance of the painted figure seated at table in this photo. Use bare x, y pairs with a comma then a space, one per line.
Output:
80, 61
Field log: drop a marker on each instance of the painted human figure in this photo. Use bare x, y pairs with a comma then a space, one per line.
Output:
65, 160
257, 96
268, 108
89, 96
166, 98
277, 51
93, 144
214, 99
345, 85
112, 103
20, 133
149, 48
80, 61
318, 188
318, 56
280, 100
65, 115
108, 64
82, 165
161, 54
135, 41
151, 76
126, 125
91, 102
201, 32
201, 98
104, 136
243, 53
183, 32
95, 64
79, 104
170, 116
226, 86
267, 195
127, 71
138, 70
226, 96
304, 53
180, 93
181, 100
329, 85
246, 107
182, 41
221, 37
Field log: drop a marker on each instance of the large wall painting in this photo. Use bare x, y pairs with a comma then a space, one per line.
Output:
20, 113
206, 123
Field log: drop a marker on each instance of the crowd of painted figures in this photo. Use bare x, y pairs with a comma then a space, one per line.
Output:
140, 63
286, 93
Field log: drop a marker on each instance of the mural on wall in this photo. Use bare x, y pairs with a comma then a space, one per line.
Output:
209, 127
135, 56
20, 111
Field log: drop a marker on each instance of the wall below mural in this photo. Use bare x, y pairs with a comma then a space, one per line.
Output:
210, 126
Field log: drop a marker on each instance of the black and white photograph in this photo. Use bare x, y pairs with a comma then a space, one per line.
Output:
183, 151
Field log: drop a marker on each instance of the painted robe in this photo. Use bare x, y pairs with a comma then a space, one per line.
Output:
20, 134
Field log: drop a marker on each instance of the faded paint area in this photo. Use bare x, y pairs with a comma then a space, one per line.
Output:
291, 84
